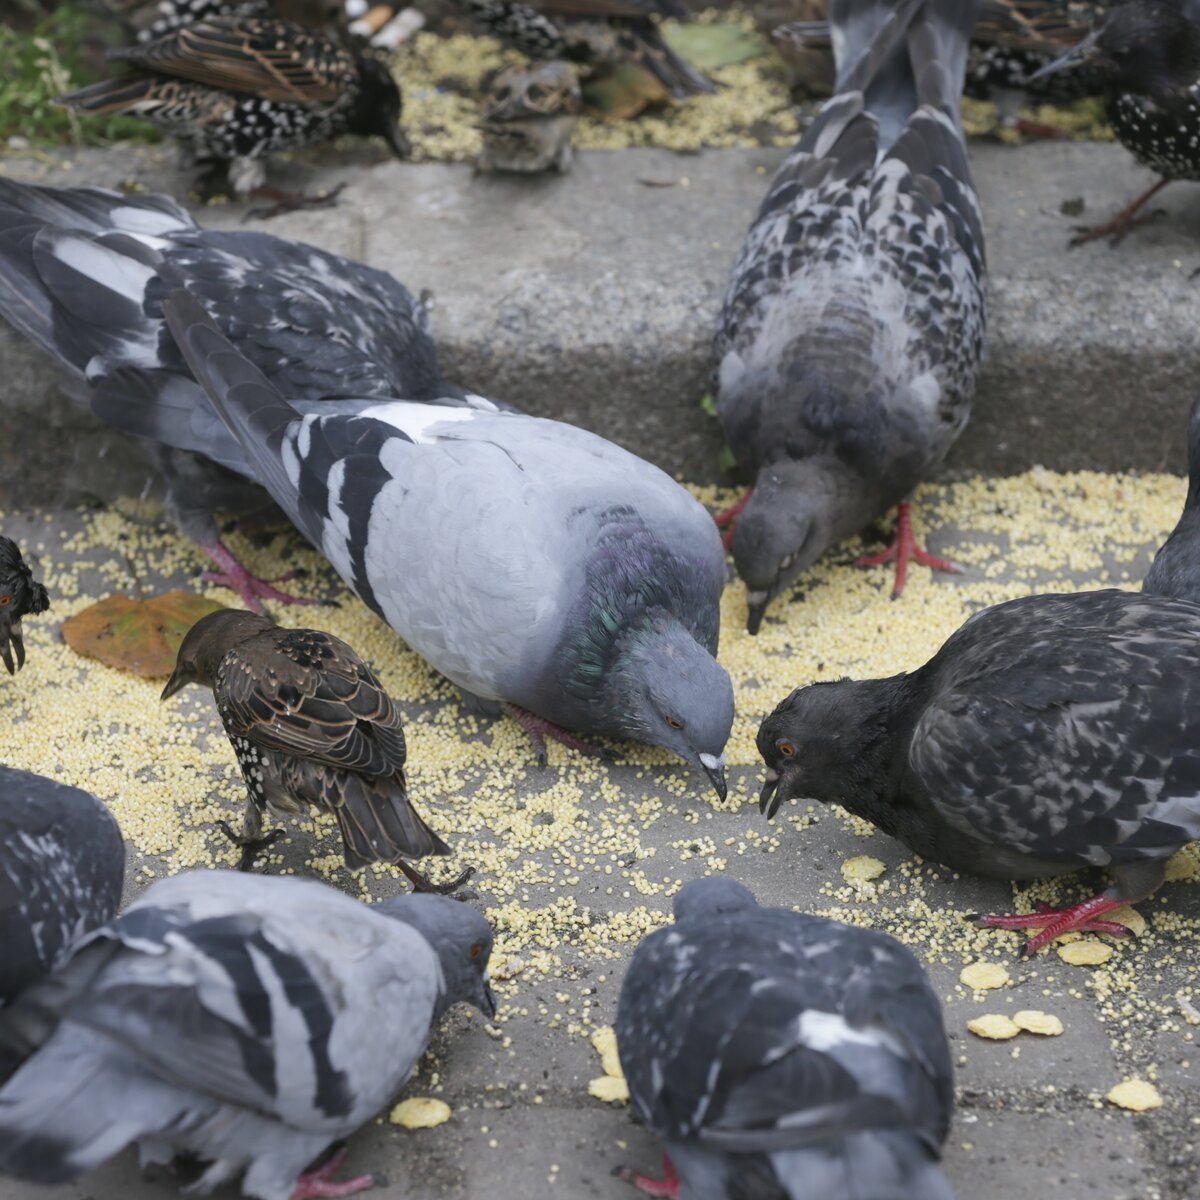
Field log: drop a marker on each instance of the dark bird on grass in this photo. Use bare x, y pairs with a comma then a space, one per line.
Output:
852, 327
783, 1056
594, 32
62, 864
311, 725
529, 114
236, 90
244, 1022
20, 596
83, 273
1175, 570
537, 566
1048, 734
1147, 54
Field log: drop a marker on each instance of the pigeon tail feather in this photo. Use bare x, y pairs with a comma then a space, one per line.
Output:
939, 41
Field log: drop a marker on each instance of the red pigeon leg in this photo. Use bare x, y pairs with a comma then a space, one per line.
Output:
286, 202
252, 590
1078, 918
904, 549
539, 729
317, 1184
667, 1186
1123, 222
727, 518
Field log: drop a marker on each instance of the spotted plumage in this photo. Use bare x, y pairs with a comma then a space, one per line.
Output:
20, 596
529, 114
237, 89
593, 32
784, 1056
853, 324
1048, 734
311, 725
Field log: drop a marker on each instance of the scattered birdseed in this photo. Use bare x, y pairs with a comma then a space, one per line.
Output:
420, 1112
1033, 1021
861, 869
995, 1026
1085, 954
983, 976
1135, 1094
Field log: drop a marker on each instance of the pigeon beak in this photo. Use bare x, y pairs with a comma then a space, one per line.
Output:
10, 631
714, 768
757, 602
769, 797
1086, 51
487, 999
397, 138
177, 681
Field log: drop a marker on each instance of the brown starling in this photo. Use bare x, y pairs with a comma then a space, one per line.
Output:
237, 89
529, 114
20, 596
311, 725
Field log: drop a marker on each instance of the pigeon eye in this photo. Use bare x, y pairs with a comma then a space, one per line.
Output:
786, 749
674, 724
5, 599
477, 950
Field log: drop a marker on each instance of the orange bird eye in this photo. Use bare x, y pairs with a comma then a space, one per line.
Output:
5, 599
477, 950
786, 749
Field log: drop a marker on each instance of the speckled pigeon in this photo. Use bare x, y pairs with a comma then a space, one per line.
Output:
853, 324
62, 864
783, 1056
533, 563
1175, 570
82, 274
246, 1021
1048, 734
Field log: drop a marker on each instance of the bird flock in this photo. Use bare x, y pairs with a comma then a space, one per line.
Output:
251, 1022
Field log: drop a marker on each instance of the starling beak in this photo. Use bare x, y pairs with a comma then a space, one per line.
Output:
1087, 51
20, 596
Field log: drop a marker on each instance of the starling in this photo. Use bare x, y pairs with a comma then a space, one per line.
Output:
311, 725
1147, 55
238, 89
1175, 570
853, 324
20, 597
1049, 734
594, 32
781, 1055
529, 114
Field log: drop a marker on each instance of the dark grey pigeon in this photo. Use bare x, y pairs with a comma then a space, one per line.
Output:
245, 1021
83, 272
62, 865
534, 564
853, 323
1175, 570
783, 1056
1048, 734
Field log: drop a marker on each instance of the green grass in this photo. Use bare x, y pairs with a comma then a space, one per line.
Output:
41, 63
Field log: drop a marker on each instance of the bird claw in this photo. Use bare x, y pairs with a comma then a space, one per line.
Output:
1054, 922
250, 588
251, 847
286, 202
422, 883
903, 550
538, 729
1115, 230
318, 1184
667, 1187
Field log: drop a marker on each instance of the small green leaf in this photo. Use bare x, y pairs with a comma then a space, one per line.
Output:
711, 46
708, 404
727, 462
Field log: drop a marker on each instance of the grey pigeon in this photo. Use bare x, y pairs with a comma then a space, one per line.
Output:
1048, 734
853, 324
83, 272
246, 1021
1175, 570
62, 864
20, 596
783, 1056
533, 563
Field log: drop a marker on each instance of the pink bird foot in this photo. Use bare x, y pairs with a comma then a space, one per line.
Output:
539, 729
252, 590
903, 550
727, 518
1053, 922
667, 1187
318, 1184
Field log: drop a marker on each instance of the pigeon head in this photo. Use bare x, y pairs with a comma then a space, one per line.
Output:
207, 642
378, 106
462, 939
703, 898
1143, 46
786, 526
825, 742
669, 691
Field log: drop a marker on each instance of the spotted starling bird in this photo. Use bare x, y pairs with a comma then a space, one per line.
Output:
529, 114
593, 32
852, 327
779, 1055
20, 596
1147, 54
238, 89
1175, 570
1048, 734
311, 725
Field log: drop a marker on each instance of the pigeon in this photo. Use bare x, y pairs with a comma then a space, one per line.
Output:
534, 564
1175, 570
237, 89
310, 724
1048, 734
529, 114
594, 32
782, 1055
62, 865
1147, 54
20, 596
83, 272
852, 327
245, 1021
